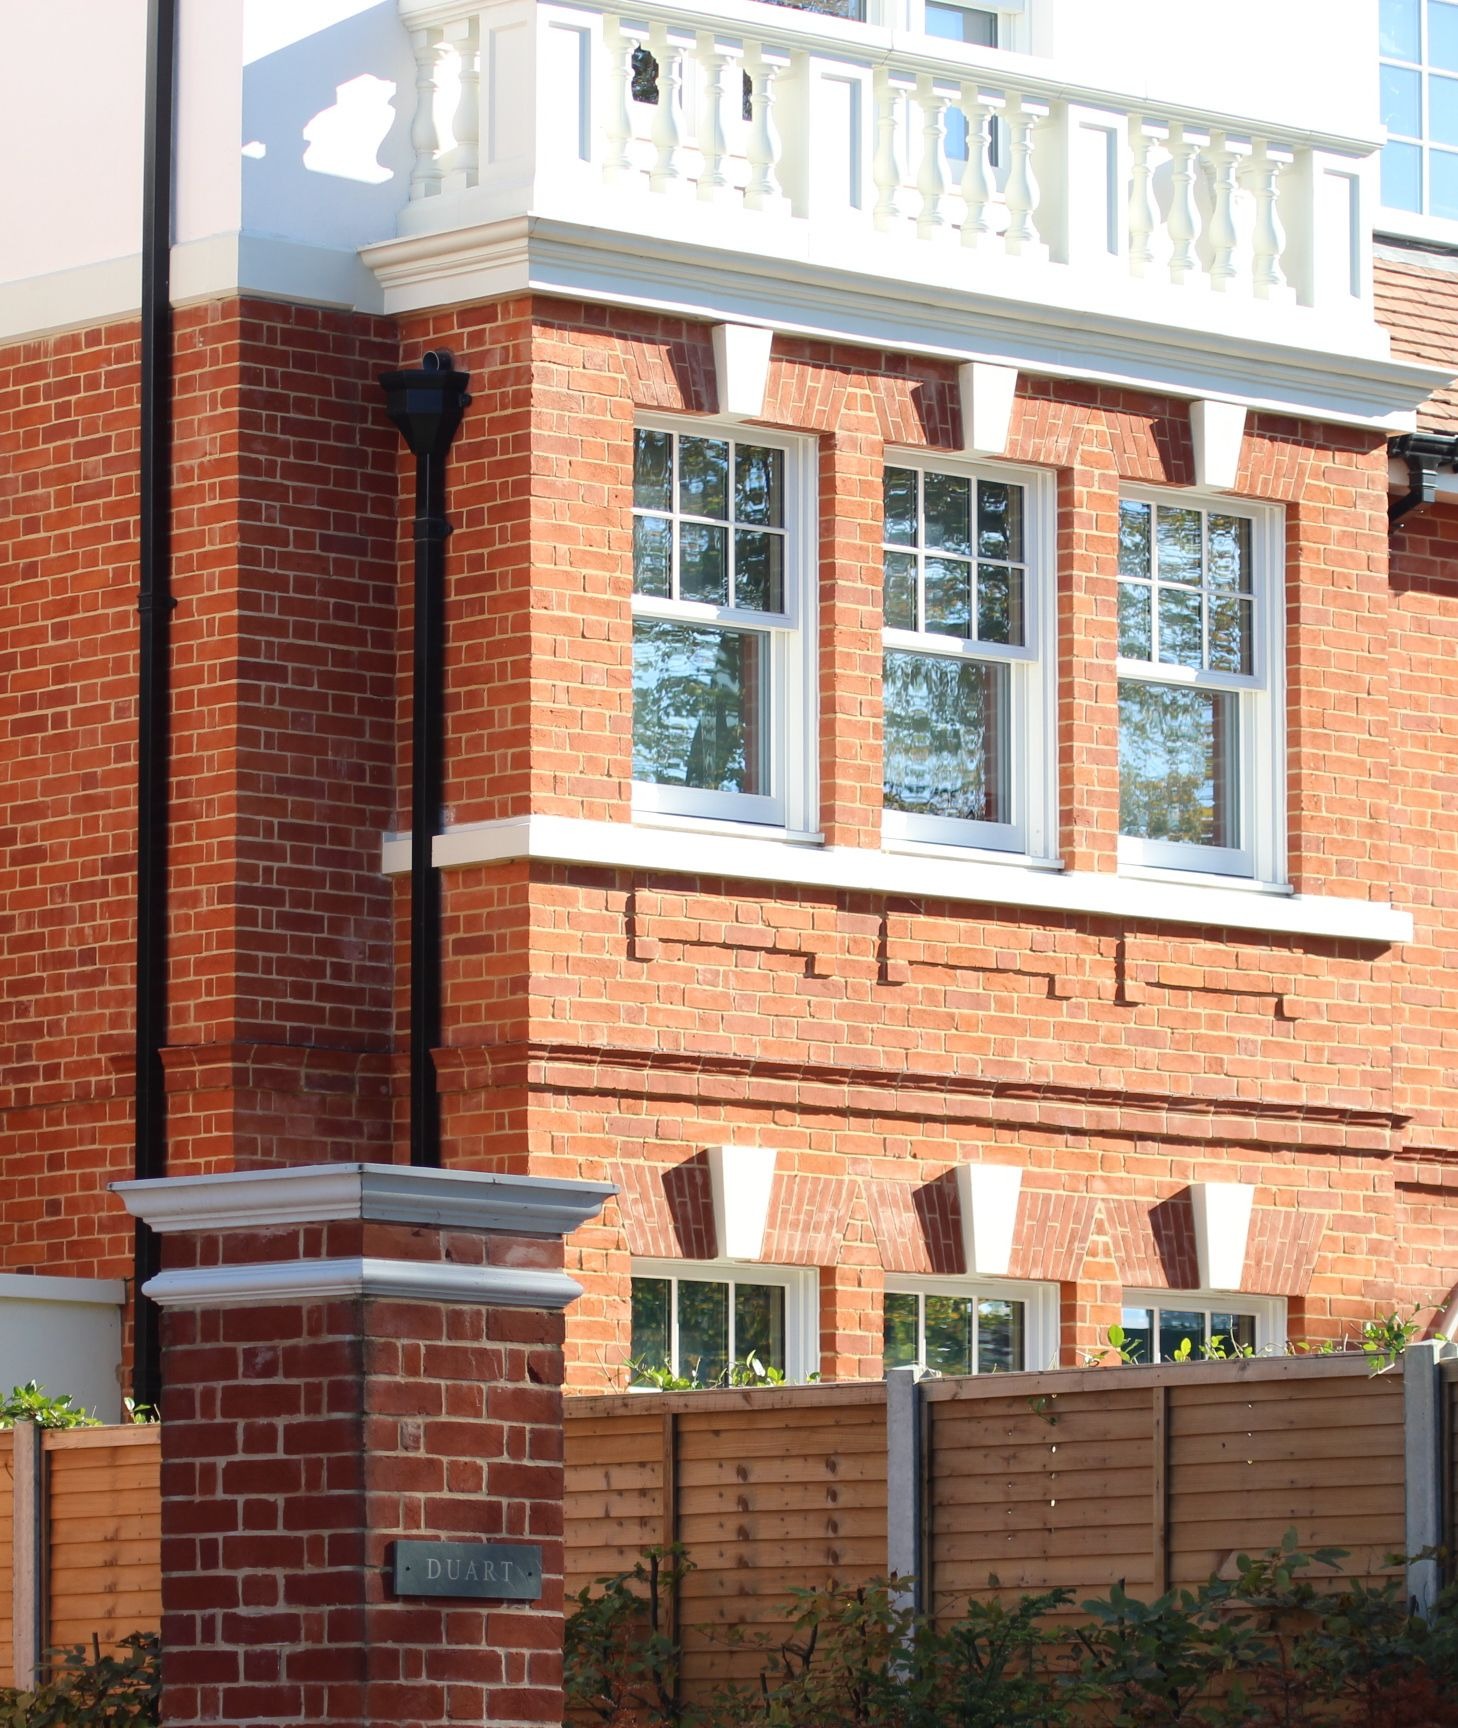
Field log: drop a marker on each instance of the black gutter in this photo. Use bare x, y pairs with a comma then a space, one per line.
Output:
1425, 453
426, 407
155, 603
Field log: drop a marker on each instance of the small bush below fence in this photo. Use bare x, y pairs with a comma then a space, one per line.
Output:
1270, 1644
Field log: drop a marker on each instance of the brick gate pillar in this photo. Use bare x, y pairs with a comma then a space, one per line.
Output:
357, 1357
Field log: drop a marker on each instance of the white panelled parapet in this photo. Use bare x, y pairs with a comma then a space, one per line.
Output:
713, 101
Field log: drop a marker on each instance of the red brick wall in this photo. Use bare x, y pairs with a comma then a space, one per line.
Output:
283, 769
597, 1018
68, 503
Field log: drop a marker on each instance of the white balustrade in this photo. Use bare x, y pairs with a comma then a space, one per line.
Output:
923, 143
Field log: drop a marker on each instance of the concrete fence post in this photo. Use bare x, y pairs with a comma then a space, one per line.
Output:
28, 1553
1422, 1410
362, 1479
904, 1476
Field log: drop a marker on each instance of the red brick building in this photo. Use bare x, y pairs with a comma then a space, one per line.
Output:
948, 789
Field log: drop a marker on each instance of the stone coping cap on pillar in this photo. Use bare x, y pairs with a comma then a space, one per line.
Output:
377, 1193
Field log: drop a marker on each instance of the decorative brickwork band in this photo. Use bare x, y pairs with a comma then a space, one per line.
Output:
355, 1358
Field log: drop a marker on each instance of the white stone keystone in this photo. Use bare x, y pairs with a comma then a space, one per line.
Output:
741, 1178
1222, 1230
1216, 430
987, 393
742, 359
989, 1194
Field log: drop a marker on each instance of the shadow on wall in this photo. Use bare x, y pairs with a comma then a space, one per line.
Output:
328, 90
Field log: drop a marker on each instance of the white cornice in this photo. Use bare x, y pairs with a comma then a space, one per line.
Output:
378, 1193
1061, 324
1136, 900
337, 1280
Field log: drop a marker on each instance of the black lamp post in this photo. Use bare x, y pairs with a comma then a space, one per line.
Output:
427, 406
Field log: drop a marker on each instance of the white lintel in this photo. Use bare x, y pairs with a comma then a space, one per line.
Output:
987, 393
1217, 431
989, 1194
741, 362
270, 1281
1222, 1231
740, 1180
378, 1193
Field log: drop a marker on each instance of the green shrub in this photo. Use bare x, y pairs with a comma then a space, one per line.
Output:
33, 1403
92, 1691
1284, 1643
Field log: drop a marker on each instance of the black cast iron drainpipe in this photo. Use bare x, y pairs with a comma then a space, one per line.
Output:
1425, 453
427, 406
154, 606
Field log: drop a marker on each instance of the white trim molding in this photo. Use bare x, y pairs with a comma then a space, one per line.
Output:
1222, 1231
741, 363
253, 1285
90, 1292
378, 1193
625, 846
719, 270
740, 1181
990, 1194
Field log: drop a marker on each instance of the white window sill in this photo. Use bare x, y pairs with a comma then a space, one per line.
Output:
1412, 225
1124, 896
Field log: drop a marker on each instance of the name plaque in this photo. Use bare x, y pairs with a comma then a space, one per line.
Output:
505, 1570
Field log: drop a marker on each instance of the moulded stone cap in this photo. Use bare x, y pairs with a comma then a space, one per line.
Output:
379, 1193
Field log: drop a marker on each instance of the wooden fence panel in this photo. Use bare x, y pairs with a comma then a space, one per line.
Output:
768, 1491
104, 1577
1321, 1453
1036, 1489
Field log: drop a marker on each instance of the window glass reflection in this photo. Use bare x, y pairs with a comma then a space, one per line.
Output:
699, 707
1178, 761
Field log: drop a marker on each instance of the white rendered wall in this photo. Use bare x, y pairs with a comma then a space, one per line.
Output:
1305, 63
266, 144
71, 76
64, 1333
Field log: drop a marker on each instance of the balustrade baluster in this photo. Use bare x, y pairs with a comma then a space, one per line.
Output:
465, 159
617, 105
978, 185
1184, 219
886, 168
1220, 164
931, 180
763, 191
425, 177
667, 171
713, 143
1022, 185
1143, 211
1268, 240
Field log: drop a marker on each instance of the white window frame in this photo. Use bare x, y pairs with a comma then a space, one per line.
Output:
1032, 719
1419, 223
1261, 708
1041, 1340
792, 637
911, 15
801, 1285
1269, 1312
